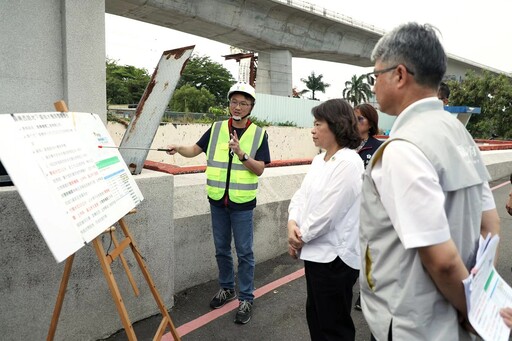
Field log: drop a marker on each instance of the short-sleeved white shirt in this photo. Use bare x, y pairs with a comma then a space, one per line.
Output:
412, 195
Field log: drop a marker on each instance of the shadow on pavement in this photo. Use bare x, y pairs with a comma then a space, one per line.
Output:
278, 315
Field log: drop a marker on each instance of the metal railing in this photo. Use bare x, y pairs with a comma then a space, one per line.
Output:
170, 116
345, 19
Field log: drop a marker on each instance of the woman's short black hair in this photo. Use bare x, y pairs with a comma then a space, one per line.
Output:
341, 120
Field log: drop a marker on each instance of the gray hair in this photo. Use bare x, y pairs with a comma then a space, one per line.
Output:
418, 48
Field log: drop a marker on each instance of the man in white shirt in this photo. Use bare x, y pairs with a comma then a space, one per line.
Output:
425, 199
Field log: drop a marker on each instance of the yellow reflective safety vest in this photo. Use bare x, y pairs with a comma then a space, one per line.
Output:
243, 184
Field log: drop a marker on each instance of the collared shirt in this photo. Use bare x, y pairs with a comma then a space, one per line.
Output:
424, 199
326, 208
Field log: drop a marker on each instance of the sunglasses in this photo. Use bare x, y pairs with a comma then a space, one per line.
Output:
372, 76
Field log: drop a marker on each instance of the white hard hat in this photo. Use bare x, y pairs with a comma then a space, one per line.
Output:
242, 87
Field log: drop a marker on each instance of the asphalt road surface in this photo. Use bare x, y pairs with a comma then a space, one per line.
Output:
279, 313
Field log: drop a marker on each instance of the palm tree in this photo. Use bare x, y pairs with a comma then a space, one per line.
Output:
314, 83
357, 90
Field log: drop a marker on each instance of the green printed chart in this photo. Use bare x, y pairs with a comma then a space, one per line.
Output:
73, 189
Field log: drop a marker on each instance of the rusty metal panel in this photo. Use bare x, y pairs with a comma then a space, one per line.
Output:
144, 124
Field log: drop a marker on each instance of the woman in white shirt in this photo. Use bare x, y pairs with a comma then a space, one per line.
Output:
323, 222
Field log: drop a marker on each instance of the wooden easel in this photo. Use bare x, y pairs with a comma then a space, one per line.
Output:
106, 260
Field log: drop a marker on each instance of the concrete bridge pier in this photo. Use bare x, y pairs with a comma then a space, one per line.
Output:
274, 76
52, 50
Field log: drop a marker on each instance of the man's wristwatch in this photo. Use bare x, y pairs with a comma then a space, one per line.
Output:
245, 157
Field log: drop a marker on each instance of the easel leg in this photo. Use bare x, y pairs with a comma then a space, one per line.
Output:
165, 314
60, 297
114, 290
125, 266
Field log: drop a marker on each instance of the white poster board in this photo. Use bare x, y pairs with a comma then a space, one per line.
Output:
73, 189
487, 293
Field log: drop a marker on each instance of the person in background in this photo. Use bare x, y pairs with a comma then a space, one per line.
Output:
425, 199
508, 205
506, 313
323, 222
443, 93
368, 119
236, 152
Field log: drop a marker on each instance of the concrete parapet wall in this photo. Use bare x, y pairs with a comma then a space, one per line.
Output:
285, 143
195, 254
172, 229
30, 277
498, 162
173, 232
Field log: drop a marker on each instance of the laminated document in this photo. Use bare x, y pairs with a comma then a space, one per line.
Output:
487, 292
72, 189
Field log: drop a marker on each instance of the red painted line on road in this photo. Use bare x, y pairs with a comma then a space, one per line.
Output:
500, 185
277, 283
204, 319
212, 315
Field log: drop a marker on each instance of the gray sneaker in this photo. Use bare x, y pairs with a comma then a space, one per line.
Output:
222, 297
244, 313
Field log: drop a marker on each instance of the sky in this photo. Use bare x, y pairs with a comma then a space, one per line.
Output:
476, 30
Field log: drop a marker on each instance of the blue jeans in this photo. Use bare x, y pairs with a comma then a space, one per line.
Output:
226, 222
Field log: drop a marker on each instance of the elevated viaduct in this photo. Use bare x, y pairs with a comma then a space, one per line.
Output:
55, 49
276, 29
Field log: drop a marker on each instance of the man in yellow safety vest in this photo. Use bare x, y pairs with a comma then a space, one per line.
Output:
236, 152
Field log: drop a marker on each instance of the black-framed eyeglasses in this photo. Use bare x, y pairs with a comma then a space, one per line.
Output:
243, 105
372, 76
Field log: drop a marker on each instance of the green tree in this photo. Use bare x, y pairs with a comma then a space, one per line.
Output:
189, 99
202, 72
125, 83
357, 90
493, 94
314, 83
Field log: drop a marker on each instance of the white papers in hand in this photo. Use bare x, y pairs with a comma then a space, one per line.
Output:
487, 292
